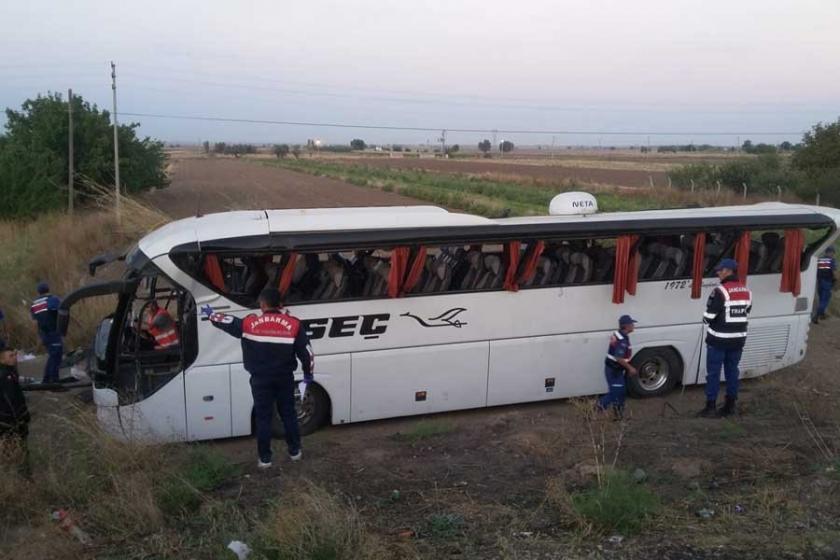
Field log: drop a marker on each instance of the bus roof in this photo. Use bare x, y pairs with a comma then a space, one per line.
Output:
345, 227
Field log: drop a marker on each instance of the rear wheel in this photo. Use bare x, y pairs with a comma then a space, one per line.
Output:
660, 369
312, 412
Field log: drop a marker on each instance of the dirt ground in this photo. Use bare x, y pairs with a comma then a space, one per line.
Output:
219, 184
772, 493
544, 172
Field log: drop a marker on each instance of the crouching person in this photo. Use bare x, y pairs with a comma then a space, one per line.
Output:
616, 366
272, 342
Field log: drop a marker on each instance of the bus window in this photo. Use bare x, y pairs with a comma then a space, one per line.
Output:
158, 337
665, 257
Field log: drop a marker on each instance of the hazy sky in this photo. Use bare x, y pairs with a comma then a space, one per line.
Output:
689, 66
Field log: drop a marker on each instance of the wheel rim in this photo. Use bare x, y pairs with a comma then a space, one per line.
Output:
653, 374
306, 408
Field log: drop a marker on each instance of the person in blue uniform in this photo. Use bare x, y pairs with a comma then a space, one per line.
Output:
44, 311
826, 267
617, 366
272, 344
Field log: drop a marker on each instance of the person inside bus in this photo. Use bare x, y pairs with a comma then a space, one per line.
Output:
826, 266
616, 366
726, 315
160, 325
44, 311
272, 343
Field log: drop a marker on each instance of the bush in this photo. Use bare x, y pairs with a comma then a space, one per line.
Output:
313, 524
34, 155
202, 470
619, 504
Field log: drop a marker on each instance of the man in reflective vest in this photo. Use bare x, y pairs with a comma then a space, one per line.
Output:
826, 266
616, 363
160, 324
44, 311
726, 315
272, 344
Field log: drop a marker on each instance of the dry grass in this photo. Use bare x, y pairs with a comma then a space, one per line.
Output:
56, 248
313, 524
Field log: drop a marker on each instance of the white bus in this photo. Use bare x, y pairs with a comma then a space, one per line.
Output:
417, 310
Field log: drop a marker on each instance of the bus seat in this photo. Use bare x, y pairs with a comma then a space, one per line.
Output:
648, 261
580, 269
604, 264
560, 257
542, 274
438, 273
334, 281
377, 280
474, 271
493, 275
775, 251
680, 261
255, 277
758, 256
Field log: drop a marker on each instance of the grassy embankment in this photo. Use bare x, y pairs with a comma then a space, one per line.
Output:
499, 197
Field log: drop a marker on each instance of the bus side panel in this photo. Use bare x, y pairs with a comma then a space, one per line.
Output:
160, 418
208, 402
773, 343
546, 367
419, 380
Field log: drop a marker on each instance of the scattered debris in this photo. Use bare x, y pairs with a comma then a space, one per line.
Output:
705, 513
239, 548
406, 534
639, 475
615, 539
395, 495
524, 534
739, 508
460, 483
62, 517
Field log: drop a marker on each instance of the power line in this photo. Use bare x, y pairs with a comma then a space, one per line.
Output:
463, 130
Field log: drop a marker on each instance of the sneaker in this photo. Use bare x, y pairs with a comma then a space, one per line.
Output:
263, 464
296, 456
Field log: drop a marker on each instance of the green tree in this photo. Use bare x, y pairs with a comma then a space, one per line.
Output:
205, 147
818, 159
485, 145
33, 155
296, 151
358, 144
506, 146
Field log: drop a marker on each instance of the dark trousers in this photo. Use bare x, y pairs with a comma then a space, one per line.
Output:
55, 352
726, 358
616, 389
269, 391
824, 292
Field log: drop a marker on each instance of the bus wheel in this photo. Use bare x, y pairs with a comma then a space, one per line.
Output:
660, 369
312, 413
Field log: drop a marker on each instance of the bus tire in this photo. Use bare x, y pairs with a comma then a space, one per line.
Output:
311, 416
660, 369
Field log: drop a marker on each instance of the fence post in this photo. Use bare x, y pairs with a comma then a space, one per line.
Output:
745, 190
692, 185
650, 178
818, 198
718, 187
778, 192
669, 182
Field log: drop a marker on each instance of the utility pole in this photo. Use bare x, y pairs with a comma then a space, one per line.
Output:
116, 144
70, 170
443, 143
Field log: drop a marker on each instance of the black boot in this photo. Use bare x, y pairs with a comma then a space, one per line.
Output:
710, 411
815, 319
728, 408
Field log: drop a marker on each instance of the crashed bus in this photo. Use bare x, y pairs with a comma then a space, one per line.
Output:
417, 310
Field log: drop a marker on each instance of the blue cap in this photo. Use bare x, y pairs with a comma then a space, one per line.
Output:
626, 320
43, 288
731, 264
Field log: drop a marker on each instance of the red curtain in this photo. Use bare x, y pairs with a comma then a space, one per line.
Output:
697, 265
213, 272
791, 266
512, 264
529, 262
742, 255
626, 267
399, 262
288, 272
415, 271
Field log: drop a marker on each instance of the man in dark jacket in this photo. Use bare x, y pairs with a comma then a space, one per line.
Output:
14, 415
44, 311
726, 315
272, 344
